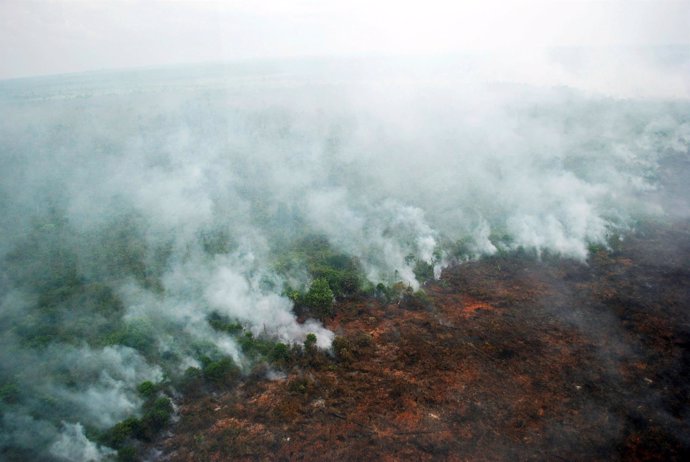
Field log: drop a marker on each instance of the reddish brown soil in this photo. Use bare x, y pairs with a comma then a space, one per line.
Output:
509, 358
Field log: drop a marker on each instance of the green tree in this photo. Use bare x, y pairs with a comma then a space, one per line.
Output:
310, 342
319, 298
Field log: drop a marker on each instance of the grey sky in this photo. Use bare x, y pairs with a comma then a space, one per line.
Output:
44, 37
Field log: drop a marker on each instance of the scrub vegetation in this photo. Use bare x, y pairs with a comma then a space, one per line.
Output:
166, 236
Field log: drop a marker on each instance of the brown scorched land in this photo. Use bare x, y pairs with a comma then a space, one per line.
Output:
508, 358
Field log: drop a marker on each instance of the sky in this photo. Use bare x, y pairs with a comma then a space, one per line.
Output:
60, 36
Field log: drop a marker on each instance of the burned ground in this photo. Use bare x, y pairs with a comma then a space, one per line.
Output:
505, 358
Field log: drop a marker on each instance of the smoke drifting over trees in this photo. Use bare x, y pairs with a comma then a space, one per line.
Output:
153, 222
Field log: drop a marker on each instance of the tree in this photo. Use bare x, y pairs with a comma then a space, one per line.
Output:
319, 298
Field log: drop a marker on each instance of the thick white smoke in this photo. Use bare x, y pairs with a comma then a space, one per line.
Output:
392, 170
73, 445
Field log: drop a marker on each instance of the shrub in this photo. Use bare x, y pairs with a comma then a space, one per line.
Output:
310, 342
147, 389
191, 379
319, 298
393, 292
343, 272
157, 414
224, 324
137, 334
300, 386
355, 345
423, 271
221, 370
193, 373
119, 433
343, 283
256, 347
382, 292
342, 348
280, 353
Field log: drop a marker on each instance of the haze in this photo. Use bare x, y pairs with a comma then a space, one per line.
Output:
198, 205
48, 37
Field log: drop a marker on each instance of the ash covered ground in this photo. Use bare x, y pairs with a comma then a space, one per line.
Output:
506, 358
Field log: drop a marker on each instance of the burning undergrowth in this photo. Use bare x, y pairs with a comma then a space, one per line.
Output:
165, 237
494, 362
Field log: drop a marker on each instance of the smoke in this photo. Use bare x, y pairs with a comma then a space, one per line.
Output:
168, 195
62, 383
72, 444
